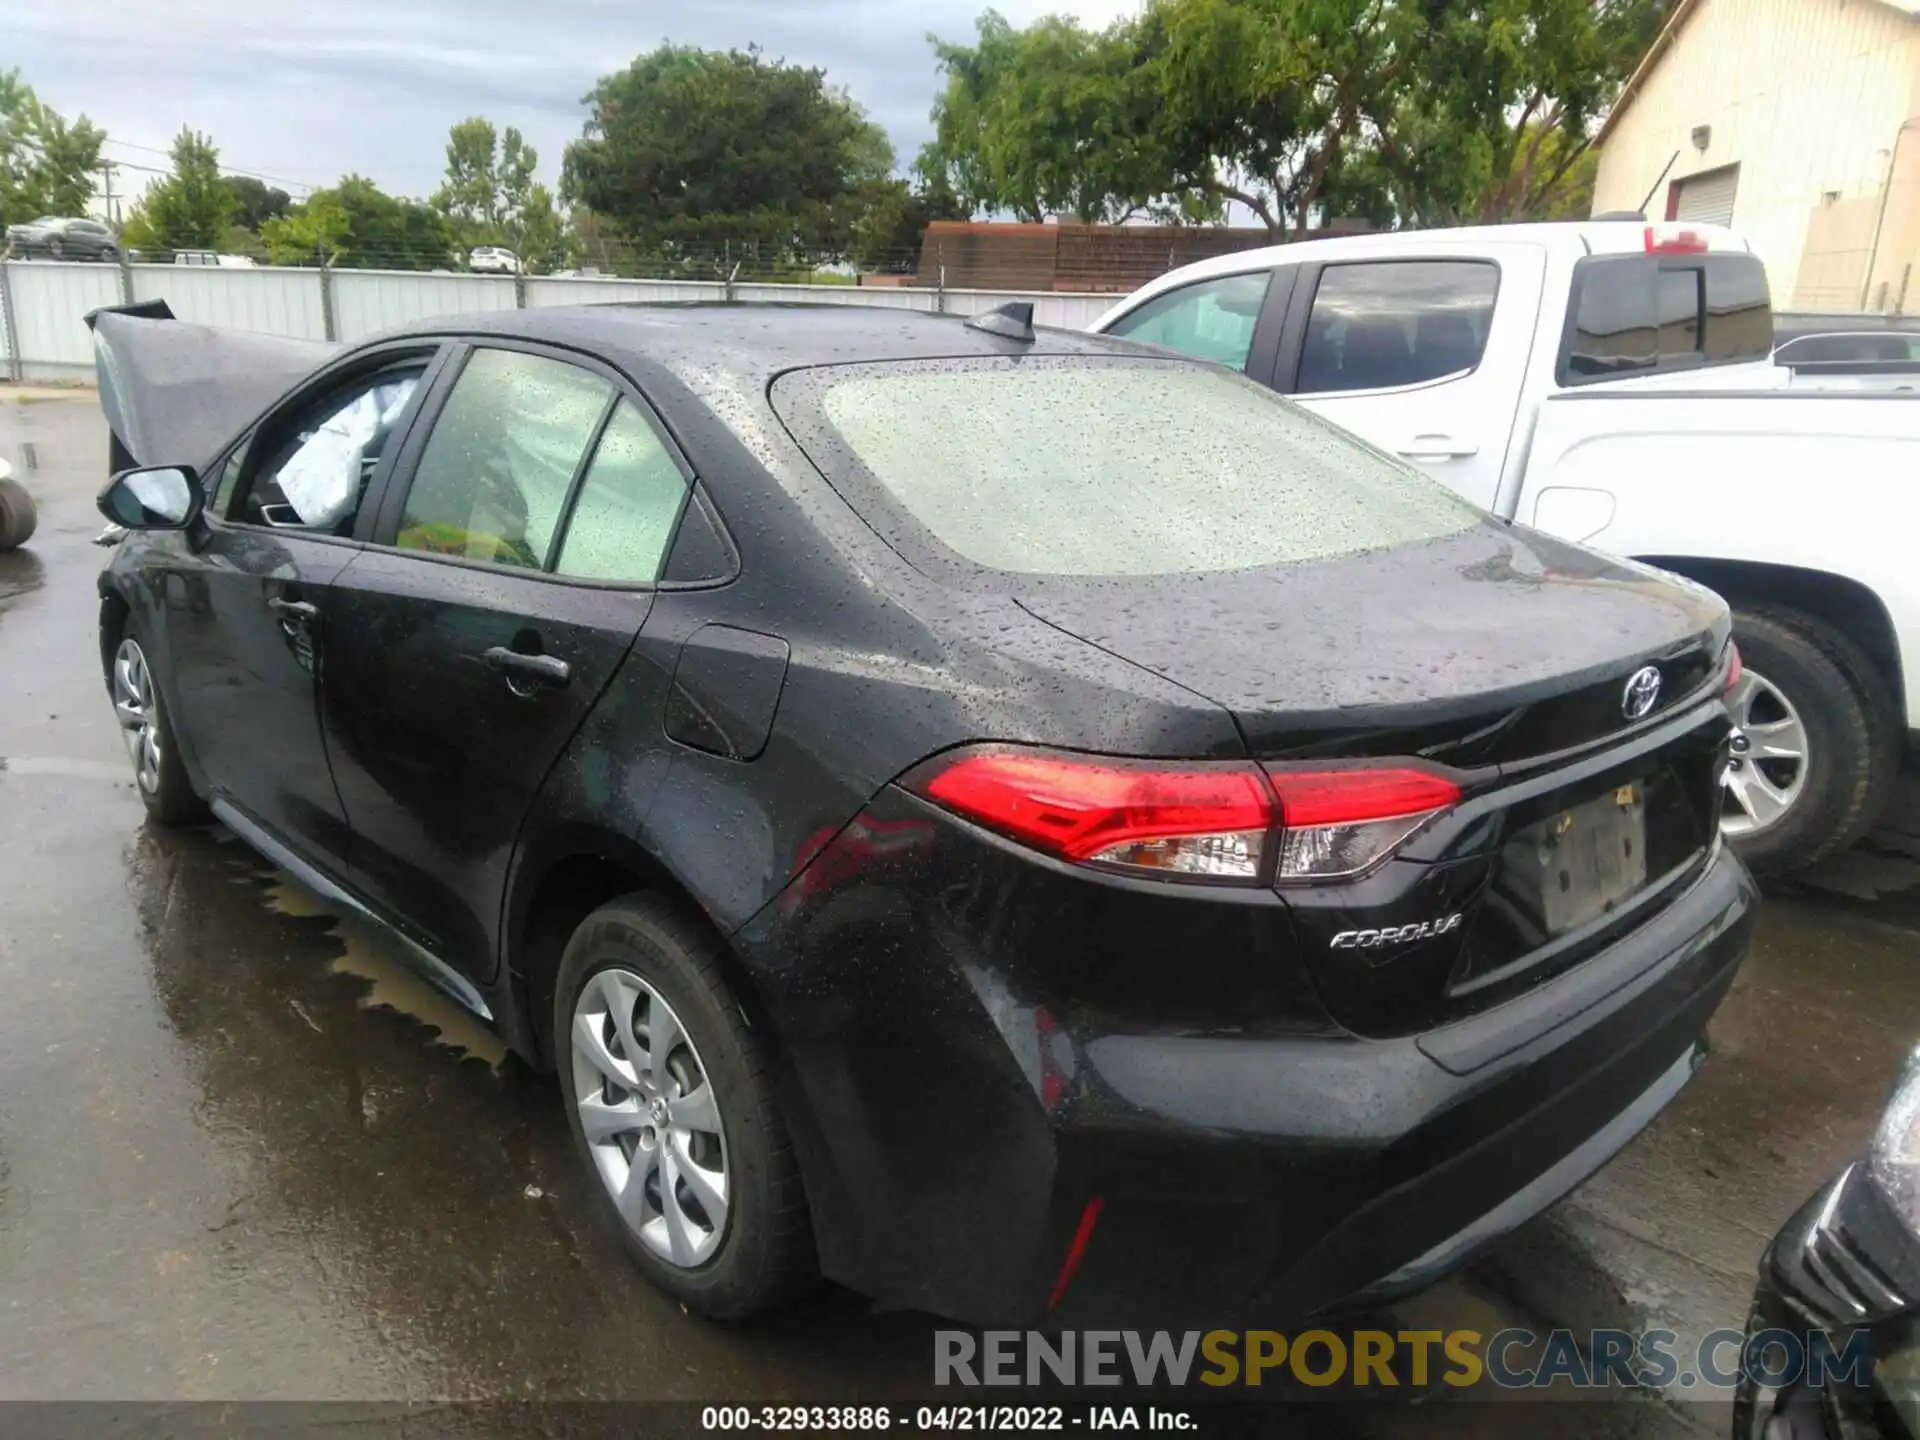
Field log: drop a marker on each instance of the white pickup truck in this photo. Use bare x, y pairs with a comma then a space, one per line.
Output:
1609, 382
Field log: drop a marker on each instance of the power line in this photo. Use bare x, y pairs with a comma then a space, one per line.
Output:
224, 169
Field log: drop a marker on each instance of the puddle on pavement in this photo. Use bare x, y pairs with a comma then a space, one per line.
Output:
392, 986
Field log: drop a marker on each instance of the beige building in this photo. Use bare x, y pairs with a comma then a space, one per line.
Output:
1795, 121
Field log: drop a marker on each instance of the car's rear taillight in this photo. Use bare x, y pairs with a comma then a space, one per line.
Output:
1660, 241
1208, 821
1733, 669
1203, 820
1339, 824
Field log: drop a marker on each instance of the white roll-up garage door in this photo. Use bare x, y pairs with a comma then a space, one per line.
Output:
1709, 198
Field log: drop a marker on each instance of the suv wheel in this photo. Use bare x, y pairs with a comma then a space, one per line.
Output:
669, 1095
158, 772
1814, 750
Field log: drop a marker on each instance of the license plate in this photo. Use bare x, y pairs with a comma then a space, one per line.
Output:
1591, 857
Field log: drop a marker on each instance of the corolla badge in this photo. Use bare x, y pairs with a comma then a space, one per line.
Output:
1394, 934
1642, 693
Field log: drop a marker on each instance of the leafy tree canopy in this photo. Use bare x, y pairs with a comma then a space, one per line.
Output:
46, 162
190, 208
255, 201
1399, 111
694, 148
357, 223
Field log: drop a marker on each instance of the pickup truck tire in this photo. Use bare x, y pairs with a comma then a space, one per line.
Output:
18, 518
1850, 750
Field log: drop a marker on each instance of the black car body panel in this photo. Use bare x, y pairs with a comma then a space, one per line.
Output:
977, 1039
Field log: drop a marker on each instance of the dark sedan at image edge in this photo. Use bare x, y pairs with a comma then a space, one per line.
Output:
1010, 821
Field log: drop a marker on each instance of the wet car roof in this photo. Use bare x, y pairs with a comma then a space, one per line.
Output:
759, 341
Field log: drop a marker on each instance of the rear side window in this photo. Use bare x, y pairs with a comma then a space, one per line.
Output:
496, 470
1383, 324
1641, 314
1211, 320
1077, 466
628, 504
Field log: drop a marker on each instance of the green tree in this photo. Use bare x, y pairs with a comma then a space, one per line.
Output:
1399, 111
491, 197
190, 208
46, 162
255, 202
356, 223
688, 148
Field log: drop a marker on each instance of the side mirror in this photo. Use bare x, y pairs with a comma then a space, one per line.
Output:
161, 498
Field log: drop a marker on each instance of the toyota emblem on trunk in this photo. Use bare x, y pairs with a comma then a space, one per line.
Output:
1642, 694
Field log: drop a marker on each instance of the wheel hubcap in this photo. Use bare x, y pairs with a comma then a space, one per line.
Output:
648, 1112
1767, 770
138, 711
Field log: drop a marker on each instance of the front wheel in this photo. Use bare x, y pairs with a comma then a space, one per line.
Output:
159, 774
670, 1099
1814, 749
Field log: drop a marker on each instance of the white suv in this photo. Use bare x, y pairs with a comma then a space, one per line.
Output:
493, 260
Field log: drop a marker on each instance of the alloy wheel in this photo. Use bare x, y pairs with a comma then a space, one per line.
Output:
651, 1122
138, 711
1767, 770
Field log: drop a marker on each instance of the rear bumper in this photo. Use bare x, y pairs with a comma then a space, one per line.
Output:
956, 1104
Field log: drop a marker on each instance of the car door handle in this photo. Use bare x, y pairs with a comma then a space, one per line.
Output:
1436, 447
546, 669
293, 609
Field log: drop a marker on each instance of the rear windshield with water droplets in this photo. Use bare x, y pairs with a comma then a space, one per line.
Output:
1077, 465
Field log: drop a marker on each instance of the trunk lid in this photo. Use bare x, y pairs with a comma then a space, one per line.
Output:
1505, 658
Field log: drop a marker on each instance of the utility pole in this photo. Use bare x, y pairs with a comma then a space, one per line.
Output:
107, 167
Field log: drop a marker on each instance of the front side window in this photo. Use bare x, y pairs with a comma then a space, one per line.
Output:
1210, 320
313, 473
1076, 466
629, 500
1382, 324
494, 476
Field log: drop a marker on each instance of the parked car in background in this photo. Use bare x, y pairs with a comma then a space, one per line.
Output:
493, 260
213, 257
58, 238
926, 830
1843, 1276
1610, 382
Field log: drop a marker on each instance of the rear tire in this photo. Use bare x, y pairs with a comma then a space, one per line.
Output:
18, 517
636, 970
1804, 687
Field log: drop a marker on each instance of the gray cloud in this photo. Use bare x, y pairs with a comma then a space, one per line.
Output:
306, 94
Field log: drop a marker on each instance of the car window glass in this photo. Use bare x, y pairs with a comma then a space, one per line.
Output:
495, 473
628, 502
314, 472
228, 480
1641, 313
1402, 322
1110, 467
1212, 320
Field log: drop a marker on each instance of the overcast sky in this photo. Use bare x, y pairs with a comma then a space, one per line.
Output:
306, 92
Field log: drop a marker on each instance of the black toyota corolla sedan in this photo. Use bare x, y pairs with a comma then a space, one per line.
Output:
1006, 820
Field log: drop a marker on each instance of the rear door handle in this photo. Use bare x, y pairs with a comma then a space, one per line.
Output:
1437, 447
544, 669
293, 609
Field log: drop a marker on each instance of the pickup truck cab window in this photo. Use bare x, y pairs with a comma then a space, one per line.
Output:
1382, 324
1636, 314
1210, 320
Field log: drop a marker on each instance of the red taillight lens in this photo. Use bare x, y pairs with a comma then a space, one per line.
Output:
1339, 824
1733, 668
1675, 242
1207, 821
1203, 821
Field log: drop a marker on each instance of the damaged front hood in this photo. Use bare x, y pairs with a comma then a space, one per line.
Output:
174, 392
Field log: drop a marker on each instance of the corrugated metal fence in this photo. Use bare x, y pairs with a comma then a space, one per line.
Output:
42, 336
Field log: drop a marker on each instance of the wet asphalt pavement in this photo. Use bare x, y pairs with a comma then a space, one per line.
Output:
244, 1156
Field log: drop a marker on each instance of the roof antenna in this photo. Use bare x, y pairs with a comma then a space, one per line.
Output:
1012, 321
